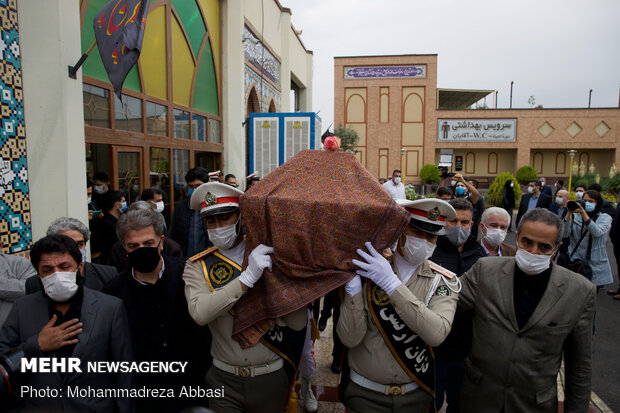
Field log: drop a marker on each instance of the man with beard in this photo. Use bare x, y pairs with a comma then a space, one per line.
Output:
66, 319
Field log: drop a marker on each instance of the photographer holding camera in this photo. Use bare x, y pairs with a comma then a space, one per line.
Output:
589, 229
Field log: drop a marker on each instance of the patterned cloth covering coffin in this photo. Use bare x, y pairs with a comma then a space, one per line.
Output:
315, 210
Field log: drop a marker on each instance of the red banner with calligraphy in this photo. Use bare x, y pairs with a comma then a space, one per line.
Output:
119, 29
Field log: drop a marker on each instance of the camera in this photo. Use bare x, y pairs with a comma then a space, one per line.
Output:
573, 205
10, 363
444, 172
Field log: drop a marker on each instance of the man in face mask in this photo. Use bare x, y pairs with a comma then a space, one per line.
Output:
494, 226
186, 227
255, 378
410, 300
153, 292
529, 314
559, 208
394, 186
534, 198
457, 251
94, 276
66, 319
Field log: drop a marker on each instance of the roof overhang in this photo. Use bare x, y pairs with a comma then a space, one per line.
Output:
459, 98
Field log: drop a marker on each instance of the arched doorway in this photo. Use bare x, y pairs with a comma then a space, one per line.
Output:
253, 106
272, 107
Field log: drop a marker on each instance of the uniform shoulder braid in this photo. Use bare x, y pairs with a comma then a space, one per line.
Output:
203, 254
436, 268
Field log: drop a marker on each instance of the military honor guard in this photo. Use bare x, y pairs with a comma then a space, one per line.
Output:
390, 322
257, 378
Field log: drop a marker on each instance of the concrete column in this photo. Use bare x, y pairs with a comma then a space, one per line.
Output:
233, 108
305, 94
49, 33
285, 55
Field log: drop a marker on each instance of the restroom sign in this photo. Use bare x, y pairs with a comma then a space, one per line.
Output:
479, 130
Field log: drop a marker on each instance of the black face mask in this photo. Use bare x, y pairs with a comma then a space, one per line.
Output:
144, 259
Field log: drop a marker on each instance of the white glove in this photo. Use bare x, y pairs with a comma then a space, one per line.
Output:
258, 260
353, 286
377, 269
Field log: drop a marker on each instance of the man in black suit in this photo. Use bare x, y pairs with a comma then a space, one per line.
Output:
533, 199
186, 227
544, 188
94, 276
67, 319
153, 291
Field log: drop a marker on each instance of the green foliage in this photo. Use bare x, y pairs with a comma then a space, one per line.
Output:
613, 184
525, 174
584, 180
410, 193
494, 194
348, 138
430, 173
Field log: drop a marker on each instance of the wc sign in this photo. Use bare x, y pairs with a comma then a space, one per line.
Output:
479, 130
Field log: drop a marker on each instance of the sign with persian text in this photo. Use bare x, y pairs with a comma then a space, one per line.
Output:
479, 130
384, 72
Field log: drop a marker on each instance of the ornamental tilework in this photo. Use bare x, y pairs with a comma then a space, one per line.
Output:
269, 92
15, 223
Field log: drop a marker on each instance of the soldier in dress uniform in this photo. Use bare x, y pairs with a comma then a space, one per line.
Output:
255, 379
391, 322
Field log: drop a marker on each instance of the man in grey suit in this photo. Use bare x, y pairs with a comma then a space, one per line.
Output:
528, 313
66, 319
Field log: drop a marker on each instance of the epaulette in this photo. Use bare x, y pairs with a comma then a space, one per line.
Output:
441, 270
203, 254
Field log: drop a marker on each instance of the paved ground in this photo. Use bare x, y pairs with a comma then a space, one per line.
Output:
606, 364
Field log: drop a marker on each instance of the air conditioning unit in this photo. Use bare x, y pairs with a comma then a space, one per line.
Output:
277, 137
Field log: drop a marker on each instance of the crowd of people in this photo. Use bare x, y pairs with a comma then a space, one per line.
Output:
451, 314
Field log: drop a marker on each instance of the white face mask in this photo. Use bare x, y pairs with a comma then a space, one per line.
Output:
530, 189
60, 286
512, 185
559, 200
416, 250
90, 198
453, 183
579, 194
494, 236
532, 264
223, 237
397, 180
159, 206
83, 252
99, 189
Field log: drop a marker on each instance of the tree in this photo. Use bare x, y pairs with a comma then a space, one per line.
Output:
430, 174
348, 138
525, 174
494, 194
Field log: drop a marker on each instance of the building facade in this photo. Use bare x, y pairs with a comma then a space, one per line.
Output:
205, 65
404, 122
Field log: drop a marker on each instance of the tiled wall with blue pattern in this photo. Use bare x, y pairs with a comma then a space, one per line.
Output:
15, 224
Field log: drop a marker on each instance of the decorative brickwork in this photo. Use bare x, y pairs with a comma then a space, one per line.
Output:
15, 224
